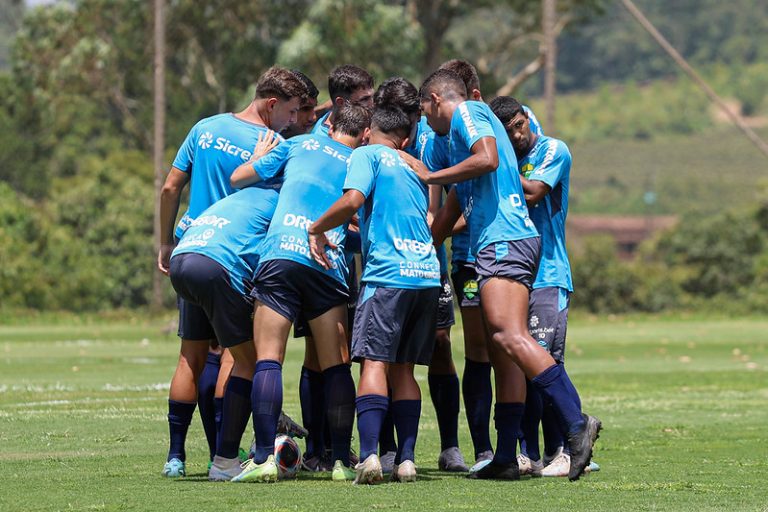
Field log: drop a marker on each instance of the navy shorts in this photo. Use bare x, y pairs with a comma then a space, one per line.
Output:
465, 284
548, 319
301, 326
395, 325
290, 288
204, 286
445, 316
517, 260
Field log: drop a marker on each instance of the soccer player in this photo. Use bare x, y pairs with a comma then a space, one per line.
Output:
346, 84
213, 148
442, 378
545, 167
289, 281
394, 325
305, 117
506, 247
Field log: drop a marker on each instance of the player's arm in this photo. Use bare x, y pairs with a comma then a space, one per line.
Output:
246, 174
340, 212
484, 158
170, 197
534, 190
460, 225
446, 218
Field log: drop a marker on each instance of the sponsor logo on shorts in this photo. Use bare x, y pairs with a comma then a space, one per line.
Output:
534, 321
470, 289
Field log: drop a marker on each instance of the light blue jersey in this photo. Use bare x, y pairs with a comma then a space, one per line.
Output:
230, 232
213, 149
533, 121
550, 161
494, 203
314, 167
397, 242
431, 149
321, 126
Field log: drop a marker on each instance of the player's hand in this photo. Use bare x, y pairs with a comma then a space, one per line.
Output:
417, 165
317, 244
164, 258
266, 143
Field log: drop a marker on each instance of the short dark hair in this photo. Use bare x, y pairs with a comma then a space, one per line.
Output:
346, 79
506, 108
312, 91
351, 119
391, 120
466, 71
280, 83
398, 92
443, 82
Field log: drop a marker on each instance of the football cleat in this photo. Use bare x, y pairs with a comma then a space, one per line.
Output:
528, 466
557, 465
315, 464
369, 471
342, 473
581, 444
388, 462
174, 468
451, 459
224, 470
404, 472
252, 472
483, 458
285, 425
493, 470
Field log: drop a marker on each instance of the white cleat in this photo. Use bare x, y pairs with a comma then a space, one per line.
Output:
369, 471
224, 470
528, 466
404, 472
559, 464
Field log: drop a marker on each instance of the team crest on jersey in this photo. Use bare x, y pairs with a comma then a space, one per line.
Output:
205, 140
388, 159
526, 170
470, 289
310, 145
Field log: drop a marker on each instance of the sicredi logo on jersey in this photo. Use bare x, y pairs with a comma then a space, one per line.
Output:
222, 144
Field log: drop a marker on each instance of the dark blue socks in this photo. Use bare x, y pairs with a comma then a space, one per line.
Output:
218, 405
267, 401
340, 414
371, 410
507, 418
444, 390
206, 389
405, 414
179, 418
313, 410
478, 397
529, 444
387, 441
556, 387
236, 408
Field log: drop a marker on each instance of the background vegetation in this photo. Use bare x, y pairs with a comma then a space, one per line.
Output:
76, 186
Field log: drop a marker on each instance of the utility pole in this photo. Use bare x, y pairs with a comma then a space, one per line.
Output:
548, 21
158, 146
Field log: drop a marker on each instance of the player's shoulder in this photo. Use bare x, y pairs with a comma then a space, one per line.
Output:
214, 120
553, 146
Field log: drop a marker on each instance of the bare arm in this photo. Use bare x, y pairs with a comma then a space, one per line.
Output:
170, 196
245, 174
484, 159
446, 218
534, 190
340, 212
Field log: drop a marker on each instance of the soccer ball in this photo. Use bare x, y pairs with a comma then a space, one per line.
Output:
287, 457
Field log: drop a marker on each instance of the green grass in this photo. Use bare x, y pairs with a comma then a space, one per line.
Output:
683, 402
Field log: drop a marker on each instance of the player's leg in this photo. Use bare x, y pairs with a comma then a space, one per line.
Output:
227, 361
206, 391
476, 380
372, 404
444, 384
330, 331
312, 401
406, 411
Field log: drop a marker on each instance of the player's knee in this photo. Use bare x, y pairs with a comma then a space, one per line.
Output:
509, 342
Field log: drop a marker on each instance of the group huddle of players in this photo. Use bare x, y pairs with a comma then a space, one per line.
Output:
280, 204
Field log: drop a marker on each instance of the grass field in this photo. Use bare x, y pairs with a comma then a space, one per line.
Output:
684, 403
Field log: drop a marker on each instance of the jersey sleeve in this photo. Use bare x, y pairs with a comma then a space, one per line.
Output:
186, 154
273, 163
361, 173
474, 123
555, 164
